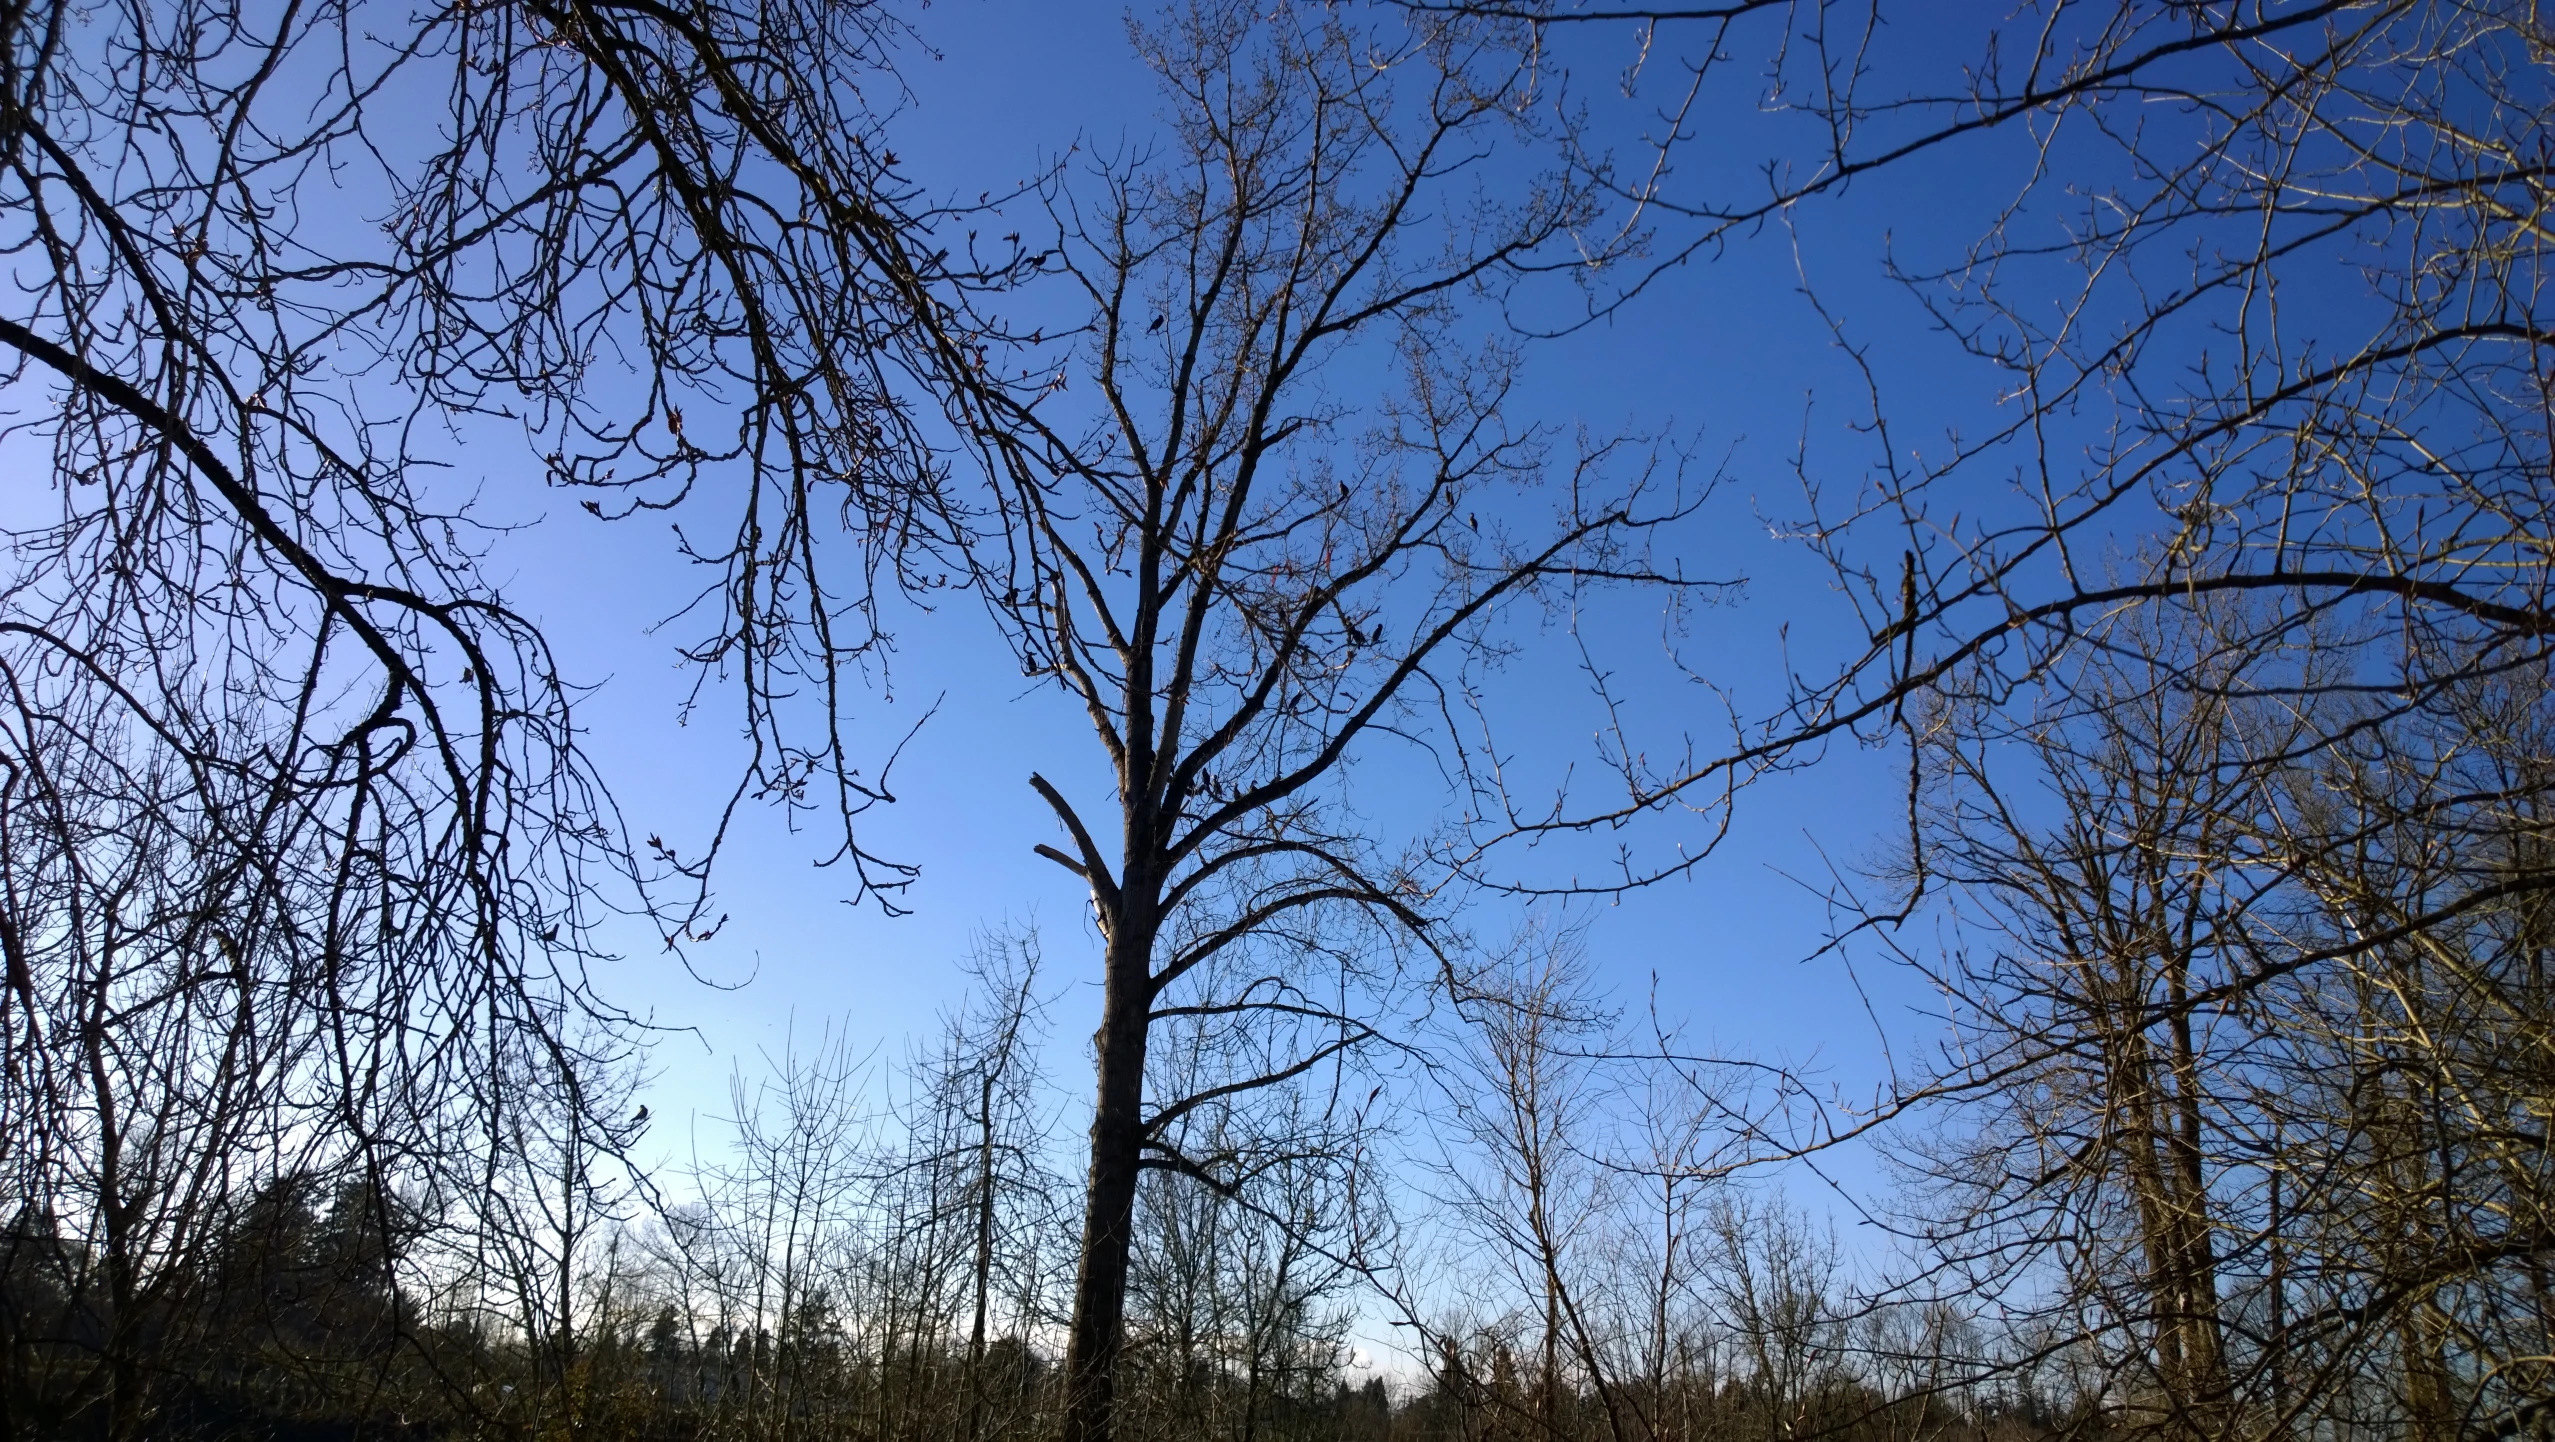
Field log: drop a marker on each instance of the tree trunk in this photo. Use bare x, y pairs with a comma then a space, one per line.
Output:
984, 1256
1108, 1224
2161, 1150
2196, 1266
124, 1409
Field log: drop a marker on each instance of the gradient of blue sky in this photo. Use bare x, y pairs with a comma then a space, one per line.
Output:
1723, 350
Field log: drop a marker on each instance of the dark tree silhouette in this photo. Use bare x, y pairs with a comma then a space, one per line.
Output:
1259, 518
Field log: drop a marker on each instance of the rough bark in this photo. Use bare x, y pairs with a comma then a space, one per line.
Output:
1117, 1154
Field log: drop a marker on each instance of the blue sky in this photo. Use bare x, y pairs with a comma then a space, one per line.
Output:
1722, 351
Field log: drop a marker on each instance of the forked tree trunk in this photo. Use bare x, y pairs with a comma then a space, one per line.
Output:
2162, 1153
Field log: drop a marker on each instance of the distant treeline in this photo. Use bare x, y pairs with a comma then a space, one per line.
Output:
299, 1329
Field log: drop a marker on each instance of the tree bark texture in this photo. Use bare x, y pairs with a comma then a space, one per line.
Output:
1117, 1154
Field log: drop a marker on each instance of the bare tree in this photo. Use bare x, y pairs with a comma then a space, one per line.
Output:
769, 1256
1237, 1313
1782, 1295
1534, 1122
2408, 1212
1249, 584
2102, 1087
2193, 407
304, 864
2201, 1070
975, 1156
1011, 1193
2259, 298
874, 1247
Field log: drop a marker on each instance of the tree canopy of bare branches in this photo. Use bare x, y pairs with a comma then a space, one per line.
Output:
303, 863
1258, 515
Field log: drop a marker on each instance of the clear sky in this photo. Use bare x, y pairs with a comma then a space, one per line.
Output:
1723, 350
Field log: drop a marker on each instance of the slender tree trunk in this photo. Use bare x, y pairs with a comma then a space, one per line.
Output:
2139, 1116
1108, 1224
2430, 1388
123, 1334
2204, 1345
1548, 1390
984, 1256
564, 1340
124, 1412
2275, 1229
